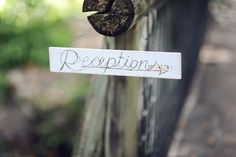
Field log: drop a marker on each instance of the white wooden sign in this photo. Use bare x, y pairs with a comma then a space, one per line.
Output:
116, 62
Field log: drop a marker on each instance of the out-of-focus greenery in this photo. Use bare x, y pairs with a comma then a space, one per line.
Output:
29, 27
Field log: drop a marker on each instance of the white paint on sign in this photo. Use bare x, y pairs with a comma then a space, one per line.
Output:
116, 62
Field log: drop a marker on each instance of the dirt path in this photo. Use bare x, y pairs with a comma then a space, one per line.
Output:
210, 130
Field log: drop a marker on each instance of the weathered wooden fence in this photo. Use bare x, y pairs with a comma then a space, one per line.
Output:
136, 117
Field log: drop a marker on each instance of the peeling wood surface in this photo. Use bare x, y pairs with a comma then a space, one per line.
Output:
121, 122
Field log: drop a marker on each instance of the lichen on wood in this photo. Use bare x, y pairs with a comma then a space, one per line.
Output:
97, 5
113, 17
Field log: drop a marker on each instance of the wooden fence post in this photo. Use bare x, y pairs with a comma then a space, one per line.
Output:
136, 117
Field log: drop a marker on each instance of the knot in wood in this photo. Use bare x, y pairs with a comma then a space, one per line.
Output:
113, 17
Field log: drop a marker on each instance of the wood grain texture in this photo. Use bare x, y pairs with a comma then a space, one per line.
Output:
90, 140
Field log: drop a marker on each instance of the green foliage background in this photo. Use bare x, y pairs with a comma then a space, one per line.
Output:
29, 27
